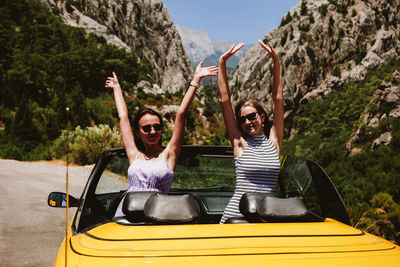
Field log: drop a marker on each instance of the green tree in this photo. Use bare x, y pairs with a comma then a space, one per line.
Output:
46, 65
383, 219
303, 8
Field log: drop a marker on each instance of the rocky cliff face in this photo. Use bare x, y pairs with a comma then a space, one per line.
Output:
321, 45
385, 104
143, 26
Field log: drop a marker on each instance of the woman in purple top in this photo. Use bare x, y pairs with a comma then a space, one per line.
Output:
152, 166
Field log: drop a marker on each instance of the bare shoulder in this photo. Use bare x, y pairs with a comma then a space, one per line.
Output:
132, 154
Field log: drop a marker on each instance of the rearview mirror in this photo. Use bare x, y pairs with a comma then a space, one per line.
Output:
59, 200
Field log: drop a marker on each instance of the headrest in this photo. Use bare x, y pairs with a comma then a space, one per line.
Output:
133, 205
171, 209
273, 209
249, 203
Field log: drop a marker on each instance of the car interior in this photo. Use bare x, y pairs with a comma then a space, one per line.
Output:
203, 185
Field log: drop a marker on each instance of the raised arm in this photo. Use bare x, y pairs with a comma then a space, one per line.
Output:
175, 144
125, 126
234, 133
276, 133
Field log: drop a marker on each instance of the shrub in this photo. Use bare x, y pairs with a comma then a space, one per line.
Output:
303, 10
304, 27
341, 33
284, 38
286, 20
10, 151
85, 145
382, 218
311, 17
323, 9
342, 8
337, 72
331, 24
360, 53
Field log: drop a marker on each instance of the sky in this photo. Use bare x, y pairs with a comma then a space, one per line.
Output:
230, 20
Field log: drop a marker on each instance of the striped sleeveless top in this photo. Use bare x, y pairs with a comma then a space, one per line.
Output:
257, 170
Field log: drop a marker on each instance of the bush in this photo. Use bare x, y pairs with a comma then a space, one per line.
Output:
323, 10
10, 151
337, 72
360, 53
286, 20
85, 145
331, 24
303, 10
383, 218
284, 38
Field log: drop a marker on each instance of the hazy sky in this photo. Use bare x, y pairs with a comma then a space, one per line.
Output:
230, 20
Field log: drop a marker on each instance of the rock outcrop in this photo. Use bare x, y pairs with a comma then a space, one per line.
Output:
321, 45
384, 104
143, 26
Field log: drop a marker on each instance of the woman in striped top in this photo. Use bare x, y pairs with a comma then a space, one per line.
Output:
256, 142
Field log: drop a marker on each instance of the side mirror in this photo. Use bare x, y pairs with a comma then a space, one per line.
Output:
59, 200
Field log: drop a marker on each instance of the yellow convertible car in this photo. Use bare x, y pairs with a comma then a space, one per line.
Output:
304, 224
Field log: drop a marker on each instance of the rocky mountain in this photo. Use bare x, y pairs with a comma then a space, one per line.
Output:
140, 25
384, 104
321, 44
199, 46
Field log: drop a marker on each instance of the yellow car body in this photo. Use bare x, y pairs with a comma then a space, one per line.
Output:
108, 242
329, 243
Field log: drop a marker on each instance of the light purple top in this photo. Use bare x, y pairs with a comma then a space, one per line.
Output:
148, 175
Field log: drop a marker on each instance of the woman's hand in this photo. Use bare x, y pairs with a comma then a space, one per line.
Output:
112, 82
269, 49
202, 72
224, 57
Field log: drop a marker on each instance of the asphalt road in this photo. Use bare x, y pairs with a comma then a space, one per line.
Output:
31, 232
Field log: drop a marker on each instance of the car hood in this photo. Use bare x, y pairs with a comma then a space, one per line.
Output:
115, 240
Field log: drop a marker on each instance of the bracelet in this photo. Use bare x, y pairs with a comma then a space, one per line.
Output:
194, 84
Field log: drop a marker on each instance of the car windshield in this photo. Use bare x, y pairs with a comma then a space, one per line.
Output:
197, 172
208, 174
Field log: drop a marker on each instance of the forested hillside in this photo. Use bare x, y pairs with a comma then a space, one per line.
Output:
368, 179
46, 66
144, 27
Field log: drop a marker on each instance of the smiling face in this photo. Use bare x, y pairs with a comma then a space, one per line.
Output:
149, 129
251, 124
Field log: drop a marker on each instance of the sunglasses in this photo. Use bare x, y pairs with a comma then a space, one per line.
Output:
147, 128
251, 117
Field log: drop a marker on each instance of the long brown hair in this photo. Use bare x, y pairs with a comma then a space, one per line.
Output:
260, 110
140, 114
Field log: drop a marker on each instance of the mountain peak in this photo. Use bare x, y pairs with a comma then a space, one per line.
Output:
199, 46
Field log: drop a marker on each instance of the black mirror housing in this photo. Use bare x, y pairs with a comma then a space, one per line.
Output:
59, 200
